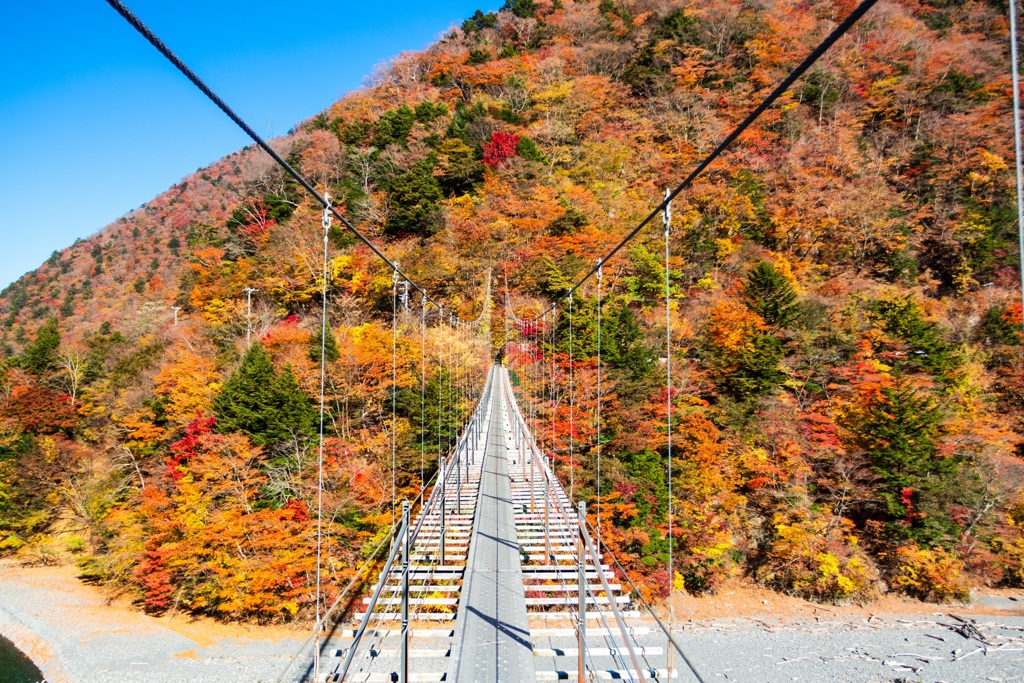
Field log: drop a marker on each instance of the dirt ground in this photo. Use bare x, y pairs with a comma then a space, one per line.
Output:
743, 598
105, 605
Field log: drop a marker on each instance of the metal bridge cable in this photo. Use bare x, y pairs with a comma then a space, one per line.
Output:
446, 391
599, 447
461, 370
554, 387
423, 396
650, 610
1017, 140
440, 387
326, 222
572, 409
667, 219
532, 372
452, 418
775, 94
394, 386
146, 33
538, 374
458, 372
541, 342
337, 602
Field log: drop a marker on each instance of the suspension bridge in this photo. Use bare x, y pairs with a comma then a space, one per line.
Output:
497, 578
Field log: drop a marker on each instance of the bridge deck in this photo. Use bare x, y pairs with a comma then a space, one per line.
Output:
509, 576
492, 633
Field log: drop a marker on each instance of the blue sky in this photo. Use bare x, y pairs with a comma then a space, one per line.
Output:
94, 122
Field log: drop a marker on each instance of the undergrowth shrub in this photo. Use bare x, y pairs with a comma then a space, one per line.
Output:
816, 557
934, 575
704, 550
1011, 556
1010, 551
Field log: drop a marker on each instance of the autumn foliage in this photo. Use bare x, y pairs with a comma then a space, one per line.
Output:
847, 390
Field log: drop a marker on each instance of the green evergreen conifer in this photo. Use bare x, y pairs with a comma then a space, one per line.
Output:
270, 408
414, 200
328, 345
40, 357
899, 435
768, 293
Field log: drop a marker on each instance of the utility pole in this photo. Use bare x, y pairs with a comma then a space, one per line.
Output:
248, 314
403, 295
175, 309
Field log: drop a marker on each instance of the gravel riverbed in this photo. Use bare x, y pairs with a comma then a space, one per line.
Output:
76, 635
886, 648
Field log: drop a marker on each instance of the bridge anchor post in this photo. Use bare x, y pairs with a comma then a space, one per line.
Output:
458, 482
581, 565
547, 520
533, 502
403, 675
443, 483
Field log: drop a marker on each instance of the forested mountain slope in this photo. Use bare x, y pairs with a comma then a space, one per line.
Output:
848, 385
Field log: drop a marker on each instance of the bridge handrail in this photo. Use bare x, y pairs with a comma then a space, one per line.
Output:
373, 601
338, 601
596, 558
317, 626
533, 444
452, 462
618, 565
647, 605
426, 507
584, 587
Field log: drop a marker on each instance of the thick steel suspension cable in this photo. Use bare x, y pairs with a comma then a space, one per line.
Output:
768, 101
156, 42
